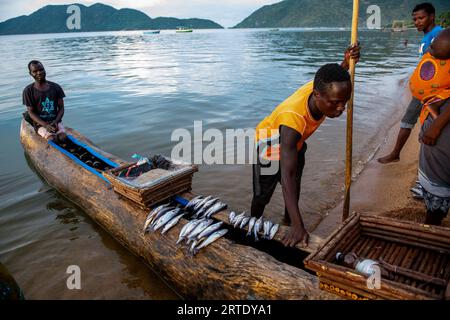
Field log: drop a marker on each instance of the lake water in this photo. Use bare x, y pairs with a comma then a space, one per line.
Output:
128, 93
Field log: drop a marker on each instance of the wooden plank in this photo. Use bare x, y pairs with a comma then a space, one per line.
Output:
389, 289
419, 276
402, 226
335, 237
402, 239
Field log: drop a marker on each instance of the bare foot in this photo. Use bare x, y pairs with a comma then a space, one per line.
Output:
389, 158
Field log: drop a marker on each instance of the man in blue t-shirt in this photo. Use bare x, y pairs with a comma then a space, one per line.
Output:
424, 16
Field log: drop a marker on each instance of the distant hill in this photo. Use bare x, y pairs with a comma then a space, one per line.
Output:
97, 17
330, 13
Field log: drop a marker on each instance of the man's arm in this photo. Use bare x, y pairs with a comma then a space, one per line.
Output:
289, 169
431, 135
60, 114
38, 120
352, 52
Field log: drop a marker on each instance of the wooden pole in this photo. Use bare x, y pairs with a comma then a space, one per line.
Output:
349, 152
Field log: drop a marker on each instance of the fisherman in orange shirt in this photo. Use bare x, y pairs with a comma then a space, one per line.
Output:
430, 83
281, 139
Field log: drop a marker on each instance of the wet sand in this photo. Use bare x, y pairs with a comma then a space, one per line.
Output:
384, 189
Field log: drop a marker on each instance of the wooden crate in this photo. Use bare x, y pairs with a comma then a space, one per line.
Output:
157, 185
419, 253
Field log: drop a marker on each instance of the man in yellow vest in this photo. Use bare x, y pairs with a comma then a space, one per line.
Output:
280, 140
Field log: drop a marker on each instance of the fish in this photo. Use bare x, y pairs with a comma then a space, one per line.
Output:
152, 214
162, 212
209, 204
201, 203
267, 226
213, 237
188, 227
200, 227
172, 223
194, 244
193, 202
238, 219
232, 216
257, 228
251, 223
273, 231
212, 228
244, 222
215, 209
166, 218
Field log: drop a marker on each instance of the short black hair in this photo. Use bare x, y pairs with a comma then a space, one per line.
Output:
328, 74
427, 7
33, 62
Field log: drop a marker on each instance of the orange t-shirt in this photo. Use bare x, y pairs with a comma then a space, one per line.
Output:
293, 113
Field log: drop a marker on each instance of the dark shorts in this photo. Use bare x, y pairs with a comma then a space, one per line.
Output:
264, 185
412, 114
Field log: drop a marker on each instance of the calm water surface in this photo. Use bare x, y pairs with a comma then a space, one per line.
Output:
128, 92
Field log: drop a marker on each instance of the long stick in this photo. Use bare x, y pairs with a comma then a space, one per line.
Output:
349, 152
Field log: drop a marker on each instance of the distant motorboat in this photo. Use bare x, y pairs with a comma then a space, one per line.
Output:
184, 30
274, 30
152, 32
399, 26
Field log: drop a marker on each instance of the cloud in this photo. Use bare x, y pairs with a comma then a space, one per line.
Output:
227, 12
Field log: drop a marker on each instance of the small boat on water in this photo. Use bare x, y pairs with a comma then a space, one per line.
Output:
152, 32
274, 30
399, 26
227, 269
184, 30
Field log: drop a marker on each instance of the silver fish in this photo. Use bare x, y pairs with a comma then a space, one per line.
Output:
188, 227
267, 226
161, 212
172, 223
201, 212
194, 244
251, 223
273, 231
213, 237
152, 215
201, 203
244, 222
193, 202
166, 218
200, 227
215, 209
232, 216
209, 230
238, 219
257, 228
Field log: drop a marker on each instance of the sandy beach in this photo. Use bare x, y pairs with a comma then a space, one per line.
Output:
384, 189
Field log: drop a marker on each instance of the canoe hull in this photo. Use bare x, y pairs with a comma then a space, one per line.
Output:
225, 270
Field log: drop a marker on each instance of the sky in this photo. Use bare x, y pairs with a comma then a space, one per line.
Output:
227, 13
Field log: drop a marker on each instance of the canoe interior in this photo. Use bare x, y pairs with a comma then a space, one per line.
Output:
85, 156
419, 254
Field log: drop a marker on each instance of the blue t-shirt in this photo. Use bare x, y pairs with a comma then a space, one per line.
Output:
428, 39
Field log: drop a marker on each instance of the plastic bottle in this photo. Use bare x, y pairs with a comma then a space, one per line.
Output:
351, 260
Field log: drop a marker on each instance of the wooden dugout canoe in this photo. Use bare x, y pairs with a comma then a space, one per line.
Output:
223, 270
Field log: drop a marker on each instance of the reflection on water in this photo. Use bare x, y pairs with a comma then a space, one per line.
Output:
128, 92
